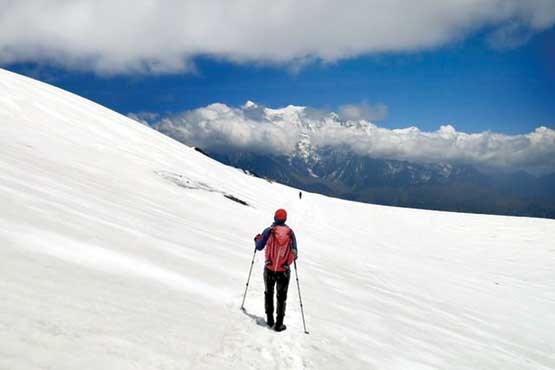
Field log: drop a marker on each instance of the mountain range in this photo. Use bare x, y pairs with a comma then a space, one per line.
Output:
337, 170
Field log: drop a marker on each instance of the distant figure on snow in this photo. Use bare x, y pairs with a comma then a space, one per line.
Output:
300, 195
281, 250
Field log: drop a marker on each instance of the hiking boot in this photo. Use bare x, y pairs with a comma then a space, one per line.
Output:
279, 324
270, 320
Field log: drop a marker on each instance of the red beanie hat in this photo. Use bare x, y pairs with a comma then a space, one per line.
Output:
280, 215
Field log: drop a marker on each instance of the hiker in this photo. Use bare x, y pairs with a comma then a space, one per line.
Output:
281, 250
300, 195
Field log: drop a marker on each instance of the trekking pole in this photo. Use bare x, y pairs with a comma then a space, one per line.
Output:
249, 278
300, 299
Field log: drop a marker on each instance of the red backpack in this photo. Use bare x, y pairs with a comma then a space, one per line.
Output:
278, 249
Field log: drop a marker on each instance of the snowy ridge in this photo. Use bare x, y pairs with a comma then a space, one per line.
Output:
120, 251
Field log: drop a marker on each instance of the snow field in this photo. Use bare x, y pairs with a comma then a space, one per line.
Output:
108, 262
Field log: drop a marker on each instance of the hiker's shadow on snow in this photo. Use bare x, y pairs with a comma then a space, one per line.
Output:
259, 320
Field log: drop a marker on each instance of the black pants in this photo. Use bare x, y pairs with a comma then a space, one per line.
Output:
281, 281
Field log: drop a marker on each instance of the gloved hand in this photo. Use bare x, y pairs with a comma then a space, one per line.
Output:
285, 266
257, 237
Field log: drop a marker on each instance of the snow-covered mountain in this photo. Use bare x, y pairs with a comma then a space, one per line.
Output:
444, 186
356, 160
121, 248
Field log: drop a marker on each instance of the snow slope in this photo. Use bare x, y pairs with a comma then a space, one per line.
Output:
118, 250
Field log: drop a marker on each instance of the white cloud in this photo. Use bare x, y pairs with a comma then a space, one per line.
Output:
260, 129
125, 36
145, 118
363, 111
219, 126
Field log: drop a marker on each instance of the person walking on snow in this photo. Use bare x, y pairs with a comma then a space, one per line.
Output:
281, 250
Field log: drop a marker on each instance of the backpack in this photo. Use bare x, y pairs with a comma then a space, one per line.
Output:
278, 249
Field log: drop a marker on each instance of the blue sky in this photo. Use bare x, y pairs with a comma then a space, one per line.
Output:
467, 84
